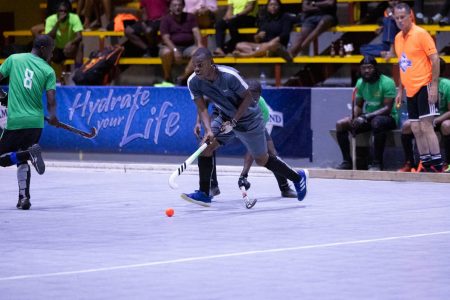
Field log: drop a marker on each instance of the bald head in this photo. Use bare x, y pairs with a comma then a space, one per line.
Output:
42, 40
43, 46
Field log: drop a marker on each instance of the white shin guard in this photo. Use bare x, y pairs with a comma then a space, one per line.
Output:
23, 179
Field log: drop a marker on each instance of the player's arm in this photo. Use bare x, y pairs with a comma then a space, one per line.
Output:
51, 107
433, 92
248, 100
3, 94
202, 112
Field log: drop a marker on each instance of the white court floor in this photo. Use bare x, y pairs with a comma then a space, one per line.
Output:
103, 234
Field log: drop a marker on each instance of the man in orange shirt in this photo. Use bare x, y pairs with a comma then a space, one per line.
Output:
419, 73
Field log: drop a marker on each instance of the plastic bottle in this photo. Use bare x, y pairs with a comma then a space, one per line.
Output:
341, 48
332, 50
262, 79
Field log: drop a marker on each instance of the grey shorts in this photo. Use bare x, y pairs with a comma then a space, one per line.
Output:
254, 138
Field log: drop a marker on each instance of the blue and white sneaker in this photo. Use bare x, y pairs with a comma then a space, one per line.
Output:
300, 186
198, 197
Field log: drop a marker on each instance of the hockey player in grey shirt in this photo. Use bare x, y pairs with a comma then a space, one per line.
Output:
238, 117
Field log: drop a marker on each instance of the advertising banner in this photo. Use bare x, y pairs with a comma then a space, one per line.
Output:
160, 121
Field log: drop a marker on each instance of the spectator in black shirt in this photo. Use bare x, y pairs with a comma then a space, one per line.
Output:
318, 16
272, 36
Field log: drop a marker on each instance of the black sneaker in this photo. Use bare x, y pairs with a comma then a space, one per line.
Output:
444, 21
36, 158
345, 165
288, 193
23, 203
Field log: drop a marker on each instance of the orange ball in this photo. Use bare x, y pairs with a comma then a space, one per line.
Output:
169, 212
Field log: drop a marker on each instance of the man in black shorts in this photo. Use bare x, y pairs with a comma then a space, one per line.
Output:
418, 63
29, 76
237, 118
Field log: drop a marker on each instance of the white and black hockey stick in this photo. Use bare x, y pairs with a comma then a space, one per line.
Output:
87, 135
249, 203
185, 164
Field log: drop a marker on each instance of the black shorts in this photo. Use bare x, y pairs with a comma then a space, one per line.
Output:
20, 139
419, 107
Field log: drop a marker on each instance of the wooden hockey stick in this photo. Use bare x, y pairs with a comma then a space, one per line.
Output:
87, 135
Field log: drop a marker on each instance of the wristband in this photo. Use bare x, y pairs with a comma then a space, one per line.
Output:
233, 122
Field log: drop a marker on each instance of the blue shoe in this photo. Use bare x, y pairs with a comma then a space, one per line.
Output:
300, 186
198, 197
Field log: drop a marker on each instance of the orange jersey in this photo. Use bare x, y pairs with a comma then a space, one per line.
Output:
412, 51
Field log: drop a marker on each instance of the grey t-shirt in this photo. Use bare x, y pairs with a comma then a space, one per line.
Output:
226, 92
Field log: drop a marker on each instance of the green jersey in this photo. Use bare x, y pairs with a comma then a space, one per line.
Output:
375, 93
29, 76
264, 109
444, 95
66, 30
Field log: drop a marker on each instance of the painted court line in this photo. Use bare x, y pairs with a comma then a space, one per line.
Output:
200, 258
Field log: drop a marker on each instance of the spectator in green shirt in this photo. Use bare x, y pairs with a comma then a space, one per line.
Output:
373, 111
65, 28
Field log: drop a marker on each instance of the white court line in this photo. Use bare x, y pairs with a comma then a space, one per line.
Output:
199, 258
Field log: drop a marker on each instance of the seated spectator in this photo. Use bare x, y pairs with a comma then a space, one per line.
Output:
52, 8
65, 28
204, 10
272, 36
318, 16
373, 111
144, 34
441, 123
92, 10
442, 17
389, 30
181, 38
240, 14
418, 8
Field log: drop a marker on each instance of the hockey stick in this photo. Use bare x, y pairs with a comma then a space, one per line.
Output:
87, 135
353, 143
185, 164
249, 203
